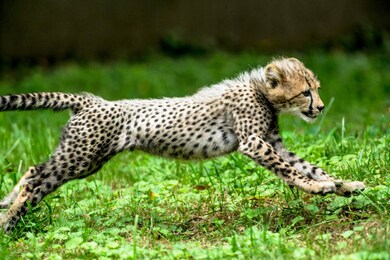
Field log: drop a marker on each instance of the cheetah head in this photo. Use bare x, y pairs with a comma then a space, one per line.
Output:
292, 88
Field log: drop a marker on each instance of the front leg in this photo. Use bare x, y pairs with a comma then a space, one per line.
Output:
311, 171
264, 154
314, 172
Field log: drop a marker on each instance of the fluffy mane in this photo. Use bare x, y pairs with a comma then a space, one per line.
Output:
255, 76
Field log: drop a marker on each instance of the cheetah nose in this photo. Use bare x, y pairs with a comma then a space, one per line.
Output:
320, 108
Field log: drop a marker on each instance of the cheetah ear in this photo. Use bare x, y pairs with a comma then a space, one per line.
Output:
273, 75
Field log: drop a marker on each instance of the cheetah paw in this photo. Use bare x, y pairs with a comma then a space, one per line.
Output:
3, 223
348, 188
323, 188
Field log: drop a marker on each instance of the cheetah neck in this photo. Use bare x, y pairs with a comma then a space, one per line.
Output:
255, 77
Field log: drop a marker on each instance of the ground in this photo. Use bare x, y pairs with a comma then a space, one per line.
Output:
143, 206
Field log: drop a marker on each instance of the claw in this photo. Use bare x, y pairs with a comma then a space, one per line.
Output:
350, 188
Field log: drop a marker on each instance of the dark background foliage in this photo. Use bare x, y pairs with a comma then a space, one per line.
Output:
44, 31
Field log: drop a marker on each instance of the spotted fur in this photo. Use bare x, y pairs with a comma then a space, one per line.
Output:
238, 114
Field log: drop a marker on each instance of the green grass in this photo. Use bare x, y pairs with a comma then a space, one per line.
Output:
141, 206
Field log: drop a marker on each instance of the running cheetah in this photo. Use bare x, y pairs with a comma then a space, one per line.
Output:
238, 114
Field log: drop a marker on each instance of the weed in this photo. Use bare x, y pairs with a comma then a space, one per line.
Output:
140, 206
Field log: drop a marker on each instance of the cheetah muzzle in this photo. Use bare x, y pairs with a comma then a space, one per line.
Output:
238, 114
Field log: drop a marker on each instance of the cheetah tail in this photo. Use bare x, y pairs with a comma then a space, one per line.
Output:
46, 100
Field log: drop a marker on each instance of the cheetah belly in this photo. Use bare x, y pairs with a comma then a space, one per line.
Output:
184, 130
206, 143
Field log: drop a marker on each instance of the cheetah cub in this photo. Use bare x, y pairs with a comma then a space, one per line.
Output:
238, 114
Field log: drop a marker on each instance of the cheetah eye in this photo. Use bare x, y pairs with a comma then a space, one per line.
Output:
273, 83
306, 93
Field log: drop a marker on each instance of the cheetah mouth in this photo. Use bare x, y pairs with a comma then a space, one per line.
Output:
310, 115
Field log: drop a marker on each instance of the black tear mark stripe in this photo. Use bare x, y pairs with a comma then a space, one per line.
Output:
311, 102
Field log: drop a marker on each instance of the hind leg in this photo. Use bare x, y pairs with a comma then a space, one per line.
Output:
45, 179
73, 159
7, 201
84, 147
21, 194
